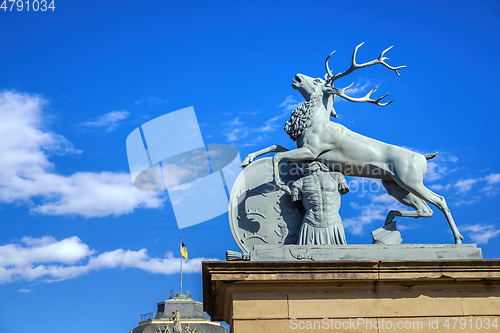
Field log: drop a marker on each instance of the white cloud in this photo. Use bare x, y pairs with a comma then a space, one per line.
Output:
369, 214
439, 187
376, 210
24, 291
404, 227
27, 176
467, 201
60, 146
492, 181
43, 250
109, 120
236, 130
465, 185
481, 233
95, 195
435, 171
493, 178
440, 166
360, 87
365, 187
356, 90
252, 113
50, 260
378, 203
384, 199
150, 101
289, 104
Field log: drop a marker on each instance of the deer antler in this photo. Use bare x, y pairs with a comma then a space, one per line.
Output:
363, 99
380, 60
328, 71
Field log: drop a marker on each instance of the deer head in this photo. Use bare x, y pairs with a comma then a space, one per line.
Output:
311, 87
308, 86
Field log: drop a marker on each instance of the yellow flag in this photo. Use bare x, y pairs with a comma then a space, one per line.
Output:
184, 251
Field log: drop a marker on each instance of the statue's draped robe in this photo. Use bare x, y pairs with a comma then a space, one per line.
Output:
320, 191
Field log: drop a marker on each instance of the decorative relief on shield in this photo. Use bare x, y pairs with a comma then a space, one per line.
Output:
259, 212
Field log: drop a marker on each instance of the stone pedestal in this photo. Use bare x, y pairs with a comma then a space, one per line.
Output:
354, 296
365, 252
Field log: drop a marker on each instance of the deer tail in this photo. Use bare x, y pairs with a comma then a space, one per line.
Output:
430, 156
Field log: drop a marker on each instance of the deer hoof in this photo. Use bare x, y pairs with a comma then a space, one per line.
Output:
246, 161
388, 222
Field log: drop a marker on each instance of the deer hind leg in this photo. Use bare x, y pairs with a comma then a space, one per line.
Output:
408, 199
424, 193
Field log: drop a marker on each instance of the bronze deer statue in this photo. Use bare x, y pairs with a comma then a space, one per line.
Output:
401, 170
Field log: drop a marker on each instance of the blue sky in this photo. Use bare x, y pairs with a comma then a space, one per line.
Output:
82, 248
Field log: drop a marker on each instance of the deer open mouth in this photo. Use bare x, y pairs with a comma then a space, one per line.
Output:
296, 82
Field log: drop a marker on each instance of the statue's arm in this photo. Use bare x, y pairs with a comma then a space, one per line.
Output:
343, 187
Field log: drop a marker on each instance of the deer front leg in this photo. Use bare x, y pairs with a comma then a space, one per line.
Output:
271, 149
299, 154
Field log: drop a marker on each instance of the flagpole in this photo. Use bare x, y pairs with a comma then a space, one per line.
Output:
181, 264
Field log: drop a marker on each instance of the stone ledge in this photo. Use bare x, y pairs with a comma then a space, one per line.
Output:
229, 286
332, 270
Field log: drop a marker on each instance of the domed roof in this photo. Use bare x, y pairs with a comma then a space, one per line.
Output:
191, 314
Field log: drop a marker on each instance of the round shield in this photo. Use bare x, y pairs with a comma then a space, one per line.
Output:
259, 212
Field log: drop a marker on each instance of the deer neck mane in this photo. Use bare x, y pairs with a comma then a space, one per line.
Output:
301, 117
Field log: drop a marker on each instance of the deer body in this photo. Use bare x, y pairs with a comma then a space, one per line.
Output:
354, 154
401, 170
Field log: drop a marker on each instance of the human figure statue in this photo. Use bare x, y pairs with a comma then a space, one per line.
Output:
319, 191
176, 318
165, 329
